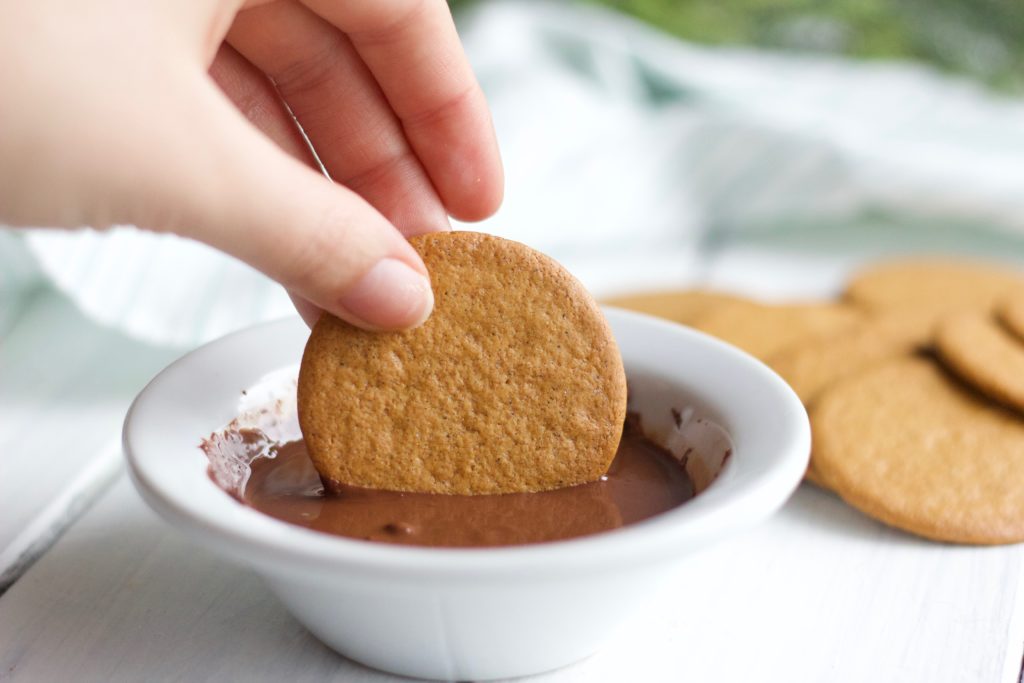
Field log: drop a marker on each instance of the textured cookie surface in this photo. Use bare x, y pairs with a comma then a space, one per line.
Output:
909, 446
764, 330
984, 355
514, 383
812, 366
684, 306
949, 284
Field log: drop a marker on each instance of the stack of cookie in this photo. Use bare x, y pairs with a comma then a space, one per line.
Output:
914, 381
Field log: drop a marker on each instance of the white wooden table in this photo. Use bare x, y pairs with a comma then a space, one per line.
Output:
817, 593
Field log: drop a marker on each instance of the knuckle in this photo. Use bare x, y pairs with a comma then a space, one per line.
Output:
383, 22
311, 73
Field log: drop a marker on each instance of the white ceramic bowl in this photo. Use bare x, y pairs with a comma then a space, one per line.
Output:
462, 614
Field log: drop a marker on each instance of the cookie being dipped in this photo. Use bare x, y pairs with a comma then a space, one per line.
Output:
514, 384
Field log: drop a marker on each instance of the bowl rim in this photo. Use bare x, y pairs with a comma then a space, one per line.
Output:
742, 495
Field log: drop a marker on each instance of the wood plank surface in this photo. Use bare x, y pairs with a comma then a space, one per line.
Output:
65, 385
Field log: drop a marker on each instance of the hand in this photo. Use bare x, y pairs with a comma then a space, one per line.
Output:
172, 116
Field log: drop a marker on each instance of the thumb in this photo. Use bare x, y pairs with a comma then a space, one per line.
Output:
232, 188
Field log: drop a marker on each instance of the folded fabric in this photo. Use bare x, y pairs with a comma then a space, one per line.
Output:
628, 155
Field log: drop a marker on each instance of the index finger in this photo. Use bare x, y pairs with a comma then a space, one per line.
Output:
414, 53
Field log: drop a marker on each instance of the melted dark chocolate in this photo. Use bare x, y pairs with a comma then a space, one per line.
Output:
643, 481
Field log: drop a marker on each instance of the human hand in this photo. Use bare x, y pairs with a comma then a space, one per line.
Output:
172, 116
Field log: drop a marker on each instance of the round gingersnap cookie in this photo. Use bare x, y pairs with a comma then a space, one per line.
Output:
976, 348
1010, 312
908, 445
513, 384
684, 306
812, 476
933, 283
812, 366
763, 330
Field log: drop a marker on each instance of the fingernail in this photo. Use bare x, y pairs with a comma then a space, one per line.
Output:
390, 296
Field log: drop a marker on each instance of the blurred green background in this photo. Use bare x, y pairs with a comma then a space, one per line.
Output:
980, 39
